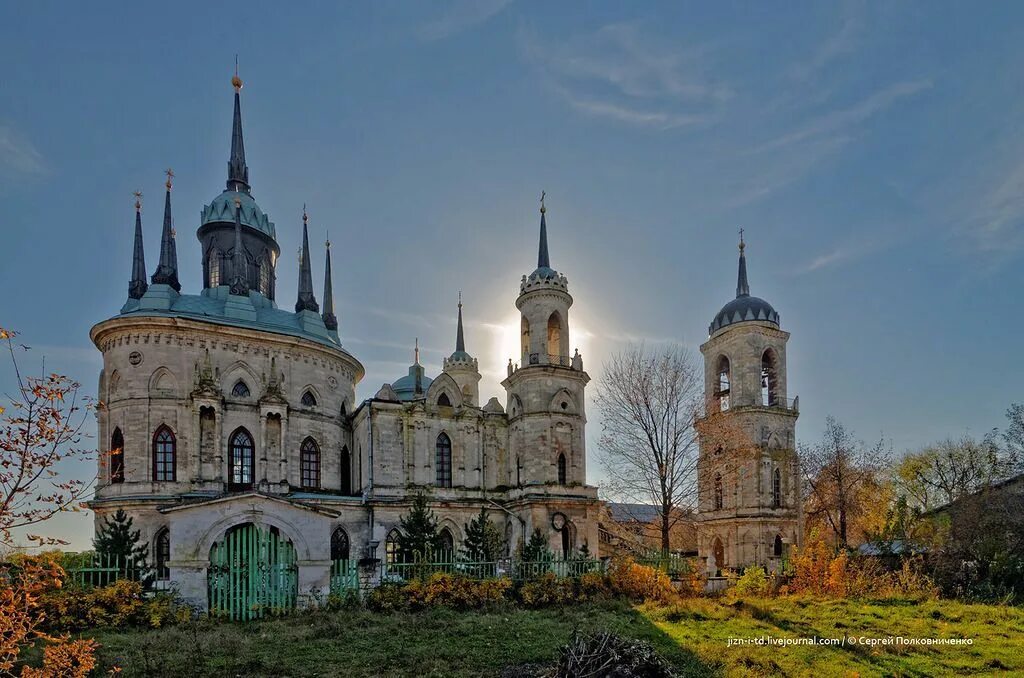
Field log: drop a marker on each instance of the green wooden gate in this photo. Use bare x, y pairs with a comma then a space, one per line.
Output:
252, 573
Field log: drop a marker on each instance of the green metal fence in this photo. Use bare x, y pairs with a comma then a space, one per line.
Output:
344, 577
673, 565
516, 570
91, 569
252, 573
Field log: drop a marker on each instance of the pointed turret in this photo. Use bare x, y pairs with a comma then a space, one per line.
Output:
330, 320
460, 339
543, 260
742, 286
137, 285
167, 267
239, 274
306, 300
238, 171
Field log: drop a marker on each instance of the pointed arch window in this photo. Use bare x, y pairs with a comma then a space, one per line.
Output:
266, 278
162, 549
719, 551
525, 331
240, 389
777, 546
392, 548
346, 472
213, 267
242, 460
164, 455
719, 494
446, 543
117, 456
339, 544
308, 399
443, 461
777, 488
444, 401
309, 464
562, 471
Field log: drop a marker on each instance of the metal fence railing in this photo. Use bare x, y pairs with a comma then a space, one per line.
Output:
505, 567
91, 569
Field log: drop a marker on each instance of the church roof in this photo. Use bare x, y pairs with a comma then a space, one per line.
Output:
215, 305
744, 307
222, 210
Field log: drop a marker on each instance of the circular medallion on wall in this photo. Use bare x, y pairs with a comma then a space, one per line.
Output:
332, 382
558, 521
135, 358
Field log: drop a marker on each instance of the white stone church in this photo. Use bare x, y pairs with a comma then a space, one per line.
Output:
230, 427
222, 411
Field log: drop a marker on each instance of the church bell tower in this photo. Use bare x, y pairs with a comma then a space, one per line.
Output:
748, 482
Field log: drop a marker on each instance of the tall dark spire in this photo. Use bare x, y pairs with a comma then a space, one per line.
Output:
742, 286
239, 274
167, 267
137, 285
306, 300
238, 171
330, 320
460, 339
543, 261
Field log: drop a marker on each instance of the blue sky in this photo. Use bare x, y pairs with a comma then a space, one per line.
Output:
873, 153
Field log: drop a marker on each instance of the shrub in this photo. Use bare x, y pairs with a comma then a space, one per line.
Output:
753, 582
640, 583
388, 597
545, 590
121, 604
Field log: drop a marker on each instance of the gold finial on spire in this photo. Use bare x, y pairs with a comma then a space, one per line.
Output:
542, 208
170, 177
305, 217
138, 200
742, 244
416, 352
235, 80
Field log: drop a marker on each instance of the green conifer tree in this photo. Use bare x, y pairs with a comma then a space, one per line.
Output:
484, 542
419, 538
118, 545
536, 550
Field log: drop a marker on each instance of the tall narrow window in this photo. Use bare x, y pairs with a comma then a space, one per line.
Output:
346, 472
718, 491
164, 452
561, 470
309, 462
554, 336
519, 473
777, 488
162, 547
242, 461
265, 277
769, 379
719, 550
566, 541
117, 457
447, 544
308, 399
777, 550
213, 267
392, 548
339, 544
443, 461
723, 383
525, 334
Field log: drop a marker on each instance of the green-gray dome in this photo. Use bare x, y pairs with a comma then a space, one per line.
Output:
222, 209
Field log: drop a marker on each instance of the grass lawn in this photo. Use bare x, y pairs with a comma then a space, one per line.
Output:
692, 636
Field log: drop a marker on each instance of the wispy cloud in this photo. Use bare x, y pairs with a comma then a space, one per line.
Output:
18, 155
838, 120
997, 224
461, 15
624, 73
842, 42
